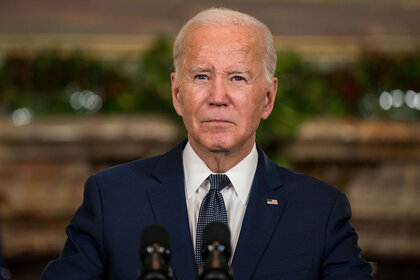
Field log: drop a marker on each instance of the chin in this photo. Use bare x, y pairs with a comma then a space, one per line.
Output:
219, 150
218, 146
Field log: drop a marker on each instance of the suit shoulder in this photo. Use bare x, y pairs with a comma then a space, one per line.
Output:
125, 171
143, 167
306, 186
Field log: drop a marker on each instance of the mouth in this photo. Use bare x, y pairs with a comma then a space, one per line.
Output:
216, 121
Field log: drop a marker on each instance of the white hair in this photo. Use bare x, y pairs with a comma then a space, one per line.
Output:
224, 16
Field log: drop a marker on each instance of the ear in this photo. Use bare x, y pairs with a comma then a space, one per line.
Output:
176, 99
270, 97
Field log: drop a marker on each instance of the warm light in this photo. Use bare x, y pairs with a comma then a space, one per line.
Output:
22, 116
410, 99
385, 100
86, 99
417, 101
397, 98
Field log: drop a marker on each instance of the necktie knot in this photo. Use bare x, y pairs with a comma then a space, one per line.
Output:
218, 181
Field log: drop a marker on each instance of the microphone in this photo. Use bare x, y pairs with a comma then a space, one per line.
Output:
216, 251
154, 253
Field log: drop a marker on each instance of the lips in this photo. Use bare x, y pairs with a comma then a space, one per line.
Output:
216, 121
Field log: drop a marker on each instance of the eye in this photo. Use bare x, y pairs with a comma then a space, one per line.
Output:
238, 79
201, 77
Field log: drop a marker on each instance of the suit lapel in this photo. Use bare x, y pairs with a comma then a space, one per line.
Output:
167, 198
260, 218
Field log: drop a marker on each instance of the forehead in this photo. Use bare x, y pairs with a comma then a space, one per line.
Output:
242, 44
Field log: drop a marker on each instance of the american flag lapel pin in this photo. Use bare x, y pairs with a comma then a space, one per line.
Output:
271, 201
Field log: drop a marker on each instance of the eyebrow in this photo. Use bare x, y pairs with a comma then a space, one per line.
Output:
239, 72
199, 70
208, 70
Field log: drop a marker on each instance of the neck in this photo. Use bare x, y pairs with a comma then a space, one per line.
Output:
222, 161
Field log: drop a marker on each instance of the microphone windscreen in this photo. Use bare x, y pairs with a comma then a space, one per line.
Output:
216, 231
154, 234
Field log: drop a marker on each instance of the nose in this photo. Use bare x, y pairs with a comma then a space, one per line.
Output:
218, 93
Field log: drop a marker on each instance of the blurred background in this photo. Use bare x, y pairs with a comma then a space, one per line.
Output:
84, 85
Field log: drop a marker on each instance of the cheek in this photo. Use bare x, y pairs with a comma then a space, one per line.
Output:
252, 104
190, 102
195, 95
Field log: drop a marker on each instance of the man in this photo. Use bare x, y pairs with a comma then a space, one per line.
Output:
284, 225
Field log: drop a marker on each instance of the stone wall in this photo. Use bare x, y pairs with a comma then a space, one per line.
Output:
377, 164
43, 167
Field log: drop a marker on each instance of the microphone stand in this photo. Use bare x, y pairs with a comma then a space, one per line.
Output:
216, 267
154, 266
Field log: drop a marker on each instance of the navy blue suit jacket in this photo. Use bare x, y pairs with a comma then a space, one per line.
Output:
306, 236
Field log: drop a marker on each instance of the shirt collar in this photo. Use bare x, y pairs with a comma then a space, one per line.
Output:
241, 175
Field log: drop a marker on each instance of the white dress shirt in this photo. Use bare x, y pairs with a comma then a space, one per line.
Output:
235, 195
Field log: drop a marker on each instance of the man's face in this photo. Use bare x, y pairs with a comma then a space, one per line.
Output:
221, 90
